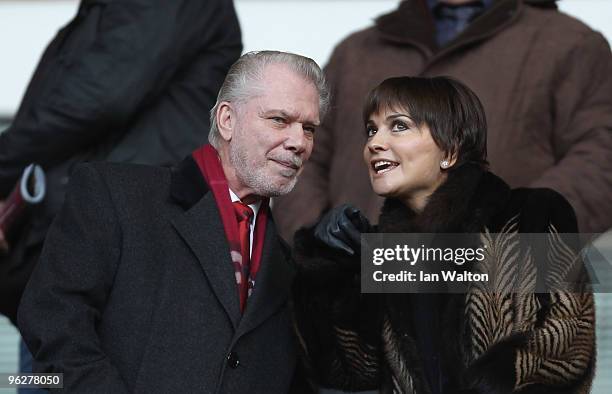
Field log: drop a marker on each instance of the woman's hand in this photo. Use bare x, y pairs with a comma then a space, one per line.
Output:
341, 228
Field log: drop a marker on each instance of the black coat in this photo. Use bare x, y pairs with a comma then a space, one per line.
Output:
124, 81
448, 343
135, 291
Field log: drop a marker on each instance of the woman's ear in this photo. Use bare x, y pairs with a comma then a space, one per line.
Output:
448, 161
226, 120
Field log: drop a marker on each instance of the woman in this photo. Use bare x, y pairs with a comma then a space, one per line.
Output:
426, 154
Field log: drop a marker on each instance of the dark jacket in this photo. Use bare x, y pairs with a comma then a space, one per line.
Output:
124, 81
471, 342
542, 76
135, 291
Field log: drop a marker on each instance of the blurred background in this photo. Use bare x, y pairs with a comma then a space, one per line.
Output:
308, 27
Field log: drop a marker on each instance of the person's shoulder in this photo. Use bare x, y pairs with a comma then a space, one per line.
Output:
360, 36
540, 208
125, 173
356, 42
559, 24
542, 197
126, 183
349, 53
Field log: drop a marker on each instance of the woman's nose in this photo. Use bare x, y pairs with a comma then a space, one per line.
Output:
377, 143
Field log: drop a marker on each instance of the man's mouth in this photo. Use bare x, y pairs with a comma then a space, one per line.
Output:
289, 168
382, 166
288, 164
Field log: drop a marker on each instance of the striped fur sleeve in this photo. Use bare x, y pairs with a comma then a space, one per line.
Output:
523, 342
561, 350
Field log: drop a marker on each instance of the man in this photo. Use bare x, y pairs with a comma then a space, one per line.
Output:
545, 80
144, 282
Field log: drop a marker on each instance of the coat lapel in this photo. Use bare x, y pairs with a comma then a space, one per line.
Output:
272, 284
201, 228
203, 232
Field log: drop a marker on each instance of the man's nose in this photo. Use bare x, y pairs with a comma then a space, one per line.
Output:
296, 140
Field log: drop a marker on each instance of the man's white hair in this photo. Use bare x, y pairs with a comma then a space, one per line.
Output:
242, 82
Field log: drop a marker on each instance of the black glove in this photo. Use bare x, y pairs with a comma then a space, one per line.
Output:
341, 228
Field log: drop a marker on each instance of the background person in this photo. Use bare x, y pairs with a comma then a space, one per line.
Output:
545, 80
124, 81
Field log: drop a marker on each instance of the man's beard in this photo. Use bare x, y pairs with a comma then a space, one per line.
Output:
252, 174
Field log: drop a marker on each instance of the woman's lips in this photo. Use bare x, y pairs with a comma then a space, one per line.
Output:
380, 166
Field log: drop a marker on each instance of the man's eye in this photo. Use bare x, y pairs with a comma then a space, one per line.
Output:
279, 120
399, 126
309, 129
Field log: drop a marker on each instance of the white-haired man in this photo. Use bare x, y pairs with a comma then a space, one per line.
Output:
158, 280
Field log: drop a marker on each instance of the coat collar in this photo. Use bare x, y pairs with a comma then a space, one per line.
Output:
466, 202
419, 32
412, 23
200, 227
187, 185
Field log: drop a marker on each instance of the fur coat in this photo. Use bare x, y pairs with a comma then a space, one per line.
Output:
476, 342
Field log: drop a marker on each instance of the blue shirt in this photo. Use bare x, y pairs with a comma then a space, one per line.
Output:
451, 20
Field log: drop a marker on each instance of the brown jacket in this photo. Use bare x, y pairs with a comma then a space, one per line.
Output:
545, 80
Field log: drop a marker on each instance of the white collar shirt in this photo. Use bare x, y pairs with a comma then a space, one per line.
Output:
255, 207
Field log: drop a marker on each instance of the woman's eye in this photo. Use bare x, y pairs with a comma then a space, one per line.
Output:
399, 126
370, 131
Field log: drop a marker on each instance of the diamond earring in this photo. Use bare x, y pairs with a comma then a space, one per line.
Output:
444, 164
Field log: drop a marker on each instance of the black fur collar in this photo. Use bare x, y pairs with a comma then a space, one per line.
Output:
466, 202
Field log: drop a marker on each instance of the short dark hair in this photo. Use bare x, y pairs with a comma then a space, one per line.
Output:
454, 114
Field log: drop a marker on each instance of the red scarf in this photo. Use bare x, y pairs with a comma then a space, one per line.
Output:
209, 163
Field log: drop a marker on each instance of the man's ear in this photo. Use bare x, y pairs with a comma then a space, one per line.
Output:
226, 120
